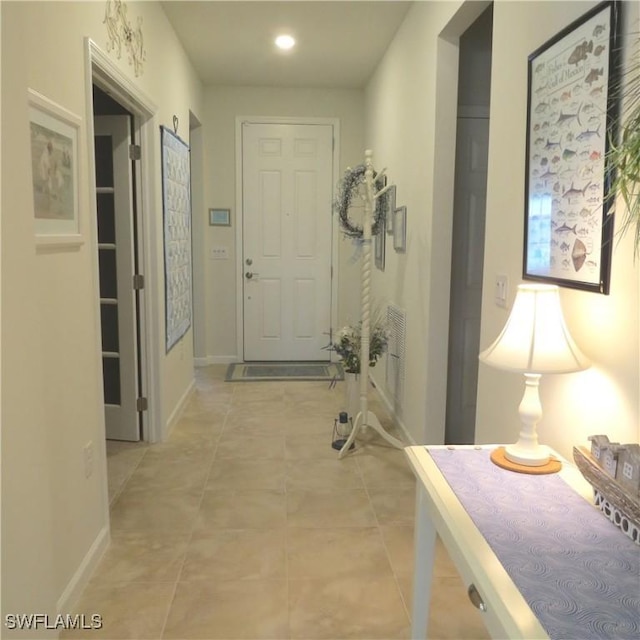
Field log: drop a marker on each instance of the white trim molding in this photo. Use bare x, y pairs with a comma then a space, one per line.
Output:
82, 575
209, 360
176, 414
333, 122
389, 405
102, 71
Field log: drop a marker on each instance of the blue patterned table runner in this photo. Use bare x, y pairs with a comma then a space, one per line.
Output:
578, 573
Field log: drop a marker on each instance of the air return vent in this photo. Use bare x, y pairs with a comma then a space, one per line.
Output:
397, 322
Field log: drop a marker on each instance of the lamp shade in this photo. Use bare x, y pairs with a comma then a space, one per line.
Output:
535, 338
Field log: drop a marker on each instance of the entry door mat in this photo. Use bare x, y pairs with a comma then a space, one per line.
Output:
256, 371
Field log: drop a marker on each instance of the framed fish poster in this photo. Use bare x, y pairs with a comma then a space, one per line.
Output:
571, 118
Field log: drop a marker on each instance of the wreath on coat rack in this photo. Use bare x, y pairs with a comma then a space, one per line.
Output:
348, 187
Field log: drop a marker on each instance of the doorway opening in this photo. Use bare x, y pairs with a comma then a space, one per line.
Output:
133, 112
119, 275
467, 250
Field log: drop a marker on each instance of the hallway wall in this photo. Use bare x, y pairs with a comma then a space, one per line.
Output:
223, 104
410, 125
411, 119
605, 398
54, 519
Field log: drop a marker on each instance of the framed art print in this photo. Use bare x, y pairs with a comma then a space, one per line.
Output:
400, 229
53, 139
391, 207
379, 247
220, 217
571, 119
176, 206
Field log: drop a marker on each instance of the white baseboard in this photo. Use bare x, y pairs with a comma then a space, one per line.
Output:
179, 409
407, 437
205, 362
81, 577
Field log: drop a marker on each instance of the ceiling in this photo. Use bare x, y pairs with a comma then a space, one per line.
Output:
339, 43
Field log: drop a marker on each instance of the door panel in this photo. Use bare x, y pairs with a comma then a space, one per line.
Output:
304, 304
269, 213
287, 199
114, 199
271, 304
306, 220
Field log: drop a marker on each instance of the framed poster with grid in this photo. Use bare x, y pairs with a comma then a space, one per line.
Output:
176, 206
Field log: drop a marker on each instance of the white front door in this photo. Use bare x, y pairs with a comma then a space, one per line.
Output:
287, 191
116, 262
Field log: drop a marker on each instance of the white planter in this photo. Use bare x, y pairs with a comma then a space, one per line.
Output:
352, 394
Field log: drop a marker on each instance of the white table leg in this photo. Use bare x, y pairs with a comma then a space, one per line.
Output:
424, 544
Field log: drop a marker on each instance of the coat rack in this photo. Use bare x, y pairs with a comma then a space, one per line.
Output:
366, 418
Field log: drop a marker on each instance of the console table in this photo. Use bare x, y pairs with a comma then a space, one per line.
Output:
539, 560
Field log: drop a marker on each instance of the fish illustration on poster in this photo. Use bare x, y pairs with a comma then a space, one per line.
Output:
567, 135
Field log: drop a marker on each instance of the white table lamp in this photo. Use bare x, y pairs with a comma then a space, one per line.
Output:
534, 341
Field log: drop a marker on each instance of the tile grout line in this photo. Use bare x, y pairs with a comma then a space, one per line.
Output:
121, 488
386, 548
296, 402
193, 528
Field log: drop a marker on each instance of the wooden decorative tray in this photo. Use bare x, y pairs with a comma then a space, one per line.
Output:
618, 504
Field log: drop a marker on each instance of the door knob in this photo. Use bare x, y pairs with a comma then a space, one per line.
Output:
249, 274
249, 261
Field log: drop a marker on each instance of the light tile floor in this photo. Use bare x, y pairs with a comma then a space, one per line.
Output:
244, 524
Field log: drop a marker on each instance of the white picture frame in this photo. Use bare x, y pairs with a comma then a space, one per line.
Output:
176, 205
379, 248
391, 207
400, 229
53, 141
220, 217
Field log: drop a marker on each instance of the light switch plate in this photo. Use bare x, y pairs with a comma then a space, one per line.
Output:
219, 253
501, 290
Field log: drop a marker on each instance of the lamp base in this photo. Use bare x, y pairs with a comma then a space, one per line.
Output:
498, 458
527, 451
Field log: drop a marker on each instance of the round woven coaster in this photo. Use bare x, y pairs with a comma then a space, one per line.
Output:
498, 457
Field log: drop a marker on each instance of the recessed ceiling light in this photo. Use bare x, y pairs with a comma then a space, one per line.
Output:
285, 42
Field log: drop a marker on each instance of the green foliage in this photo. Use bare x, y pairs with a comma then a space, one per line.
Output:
347, 191
626, 160
624, 156
347, 344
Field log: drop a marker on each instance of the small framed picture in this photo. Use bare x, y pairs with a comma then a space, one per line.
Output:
379, 248
391, 207
220, 217
54, 171
400, 229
